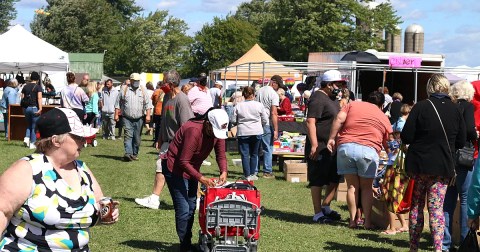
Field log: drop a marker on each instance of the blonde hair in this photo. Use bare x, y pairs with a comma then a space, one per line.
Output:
12, 83
91, 88
185, 88
462, 90
44, 145
281, 92
398, 96
438, 83
405, 109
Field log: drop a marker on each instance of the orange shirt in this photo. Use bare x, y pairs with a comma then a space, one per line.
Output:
157, 100
365, 124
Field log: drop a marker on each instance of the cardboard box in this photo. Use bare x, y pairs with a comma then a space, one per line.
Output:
380, 215
295, 171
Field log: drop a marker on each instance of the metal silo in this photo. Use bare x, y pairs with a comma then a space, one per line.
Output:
414, 39
394, 41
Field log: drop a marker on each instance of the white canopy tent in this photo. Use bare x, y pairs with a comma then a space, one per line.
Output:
20, 50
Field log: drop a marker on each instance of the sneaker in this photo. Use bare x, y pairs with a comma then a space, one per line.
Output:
268, 175
32, 146
252, 178
127, 157
112, 138
148, 202
134, 157
334, 215
26, 142
324, 220
206, 163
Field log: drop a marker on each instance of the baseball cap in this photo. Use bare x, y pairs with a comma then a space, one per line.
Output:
332, 75
219, 83
219, 120
135, 76
60, 121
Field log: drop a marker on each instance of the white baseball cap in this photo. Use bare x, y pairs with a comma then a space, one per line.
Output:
332, 75
219, 120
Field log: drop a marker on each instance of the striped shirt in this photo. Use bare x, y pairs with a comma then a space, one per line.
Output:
201, 100
133, 103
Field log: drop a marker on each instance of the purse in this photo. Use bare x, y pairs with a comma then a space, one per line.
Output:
452, 181
397, 186
470, 243
464, 156
26, 100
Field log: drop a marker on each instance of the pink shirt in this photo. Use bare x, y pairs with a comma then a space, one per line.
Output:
201, 100
190, 147
365, 124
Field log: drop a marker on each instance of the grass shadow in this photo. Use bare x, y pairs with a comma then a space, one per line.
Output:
425, 240
287, 216
118, 158
344, 247
151, 245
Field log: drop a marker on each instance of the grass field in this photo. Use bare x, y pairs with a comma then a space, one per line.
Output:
285, 224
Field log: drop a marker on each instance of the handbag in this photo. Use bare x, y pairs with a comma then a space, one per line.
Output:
464, 156
397, 186
470, 243
452, 180
26, 100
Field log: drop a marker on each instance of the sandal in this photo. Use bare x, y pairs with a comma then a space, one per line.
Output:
402, 230
388, 232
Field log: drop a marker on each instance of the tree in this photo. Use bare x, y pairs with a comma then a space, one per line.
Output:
7, 14
154, 43
219, 44
292, 29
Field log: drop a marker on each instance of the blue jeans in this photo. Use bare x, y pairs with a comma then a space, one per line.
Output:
462, 183
31, 119
133, 131
184, 197
248, 146
267, 145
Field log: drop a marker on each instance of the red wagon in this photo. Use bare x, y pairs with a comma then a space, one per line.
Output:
229, 218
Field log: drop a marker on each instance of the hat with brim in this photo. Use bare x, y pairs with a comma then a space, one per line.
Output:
60, 121
219, 120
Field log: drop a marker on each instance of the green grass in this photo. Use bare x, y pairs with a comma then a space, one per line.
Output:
285, 224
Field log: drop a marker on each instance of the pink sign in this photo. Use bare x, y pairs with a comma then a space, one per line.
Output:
404, 62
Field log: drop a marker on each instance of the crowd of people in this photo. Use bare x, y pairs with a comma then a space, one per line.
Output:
344, 139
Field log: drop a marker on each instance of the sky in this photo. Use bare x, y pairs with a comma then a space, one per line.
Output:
451, 26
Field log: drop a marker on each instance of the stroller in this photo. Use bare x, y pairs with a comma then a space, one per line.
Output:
229, 218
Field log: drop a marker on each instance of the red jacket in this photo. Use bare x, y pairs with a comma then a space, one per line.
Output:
285, 107
476, 112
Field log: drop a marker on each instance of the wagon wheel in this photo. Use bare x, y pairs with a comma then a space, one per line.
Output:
94, 143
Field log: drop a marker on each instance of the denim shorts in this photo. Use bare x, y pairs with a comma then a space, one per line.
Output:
357, 159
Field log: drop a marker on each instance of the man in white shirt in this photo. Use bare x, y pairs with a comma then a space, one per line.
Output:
216, 93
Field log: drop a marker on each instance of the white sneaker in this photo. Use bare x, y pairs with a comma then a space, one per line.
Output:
148, 202
252, 177
206, 163
26, 141
32, 146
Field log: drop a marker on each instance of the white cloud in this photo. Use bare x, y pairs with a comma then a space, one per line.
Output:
166, 4
414, 15
31, 3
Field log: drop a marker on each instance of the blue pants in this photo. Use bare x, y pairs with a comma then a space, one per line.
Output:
184, 197
248, 147
460, 189
267, 145
31, 119
133, 131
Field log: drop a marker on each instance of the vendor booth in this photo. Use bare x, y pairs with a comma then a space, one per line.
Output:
21, 51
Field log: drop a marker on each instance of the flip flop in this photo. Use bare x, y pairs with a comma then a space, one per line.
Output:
402, 230
388, 232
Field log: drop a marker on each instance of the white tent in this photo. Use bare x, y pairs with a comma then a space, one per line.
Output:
20, 50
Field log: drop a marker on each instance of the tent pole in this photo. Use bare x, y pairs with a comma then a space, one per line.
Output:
263, 73
249, 69
416, 84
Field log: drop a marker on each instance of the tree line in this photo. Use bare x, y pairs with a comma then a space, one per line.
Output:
154, 42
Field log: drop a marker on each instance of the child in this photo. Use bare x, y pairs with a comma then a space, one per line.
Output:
394, 144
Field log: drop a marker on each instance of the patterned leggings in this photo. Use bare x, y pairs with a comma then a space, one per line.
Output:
435, 187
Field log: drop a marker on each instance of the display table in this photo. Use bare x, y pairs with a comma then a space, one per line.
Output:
282, 156
299, 127
16, 121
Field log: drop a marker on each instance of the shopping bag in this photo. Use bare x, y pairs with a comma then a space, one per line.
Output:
397, 187
470, 243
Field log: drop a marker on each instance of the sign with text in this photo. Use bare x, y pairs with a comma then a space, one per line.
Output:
404, 62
